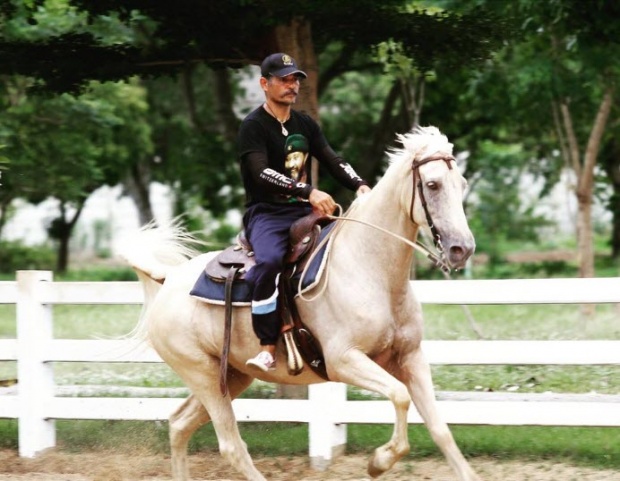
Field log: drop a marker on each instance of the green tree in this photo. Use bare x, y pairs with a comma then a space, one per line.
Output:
552, 90
173, 39
235, 33
580, 41
67, 146
194, 151
114, 40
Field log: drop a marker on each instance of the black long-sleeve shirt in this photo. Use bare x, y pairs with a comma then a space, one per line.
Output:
276, 168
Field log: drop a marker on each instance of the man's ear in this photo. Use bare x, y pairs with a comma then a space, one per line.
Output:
263, 83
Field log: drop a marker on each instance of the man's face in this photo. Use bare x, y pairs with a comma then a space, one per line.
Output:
281, 89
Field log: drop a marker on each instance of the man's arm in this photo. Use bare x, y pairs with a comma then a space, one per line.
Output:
339, 169
272, 181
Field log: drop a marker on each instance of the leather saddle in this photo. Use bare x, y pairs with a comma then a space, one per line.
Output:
303, 238
231, 266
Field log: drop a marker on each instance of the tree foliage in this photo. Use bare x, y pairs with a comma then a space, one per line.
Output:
113, 39
551, 89
68, 146
168, 36
490, 73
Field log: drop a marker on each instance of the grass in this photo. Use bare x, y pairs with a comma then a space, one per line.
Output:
598, 447
442, 322
592, 447
595, 447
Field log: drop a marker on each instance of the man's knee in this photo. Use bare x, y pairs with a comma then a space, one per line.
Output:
273, 264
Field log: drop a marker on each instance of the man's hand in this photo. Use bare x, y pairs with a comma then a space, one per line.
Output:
322, 202
362, 189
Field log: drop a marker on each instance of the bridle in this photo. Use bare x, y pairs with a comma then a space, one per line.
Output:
419, 187
437, 260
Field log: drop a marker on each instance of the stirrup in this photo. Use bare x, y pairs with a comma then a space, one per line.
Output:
294, 361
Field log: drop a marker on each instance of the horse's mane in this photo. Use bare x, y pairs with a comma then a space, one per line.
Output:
418, 143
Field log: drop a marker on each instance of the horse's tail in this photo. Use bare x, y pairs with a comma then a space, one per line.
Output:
151, 252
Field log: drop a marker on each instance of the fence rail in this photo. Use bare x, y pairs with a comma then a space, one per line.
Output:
36, 403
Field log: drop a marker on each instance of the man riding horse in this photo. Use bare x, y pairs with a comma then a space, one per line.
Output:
274, 144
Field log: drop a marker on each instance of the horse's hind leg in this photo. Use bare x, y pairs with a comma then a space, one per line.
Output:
188, 418
202, 378
182, 424
420, 385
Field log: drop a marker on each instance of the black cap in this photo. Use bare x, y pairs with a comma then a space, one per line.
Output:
280, 65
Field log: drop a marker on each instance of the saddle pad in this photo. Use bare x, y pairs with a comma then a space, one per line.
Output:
212, 292
207, 290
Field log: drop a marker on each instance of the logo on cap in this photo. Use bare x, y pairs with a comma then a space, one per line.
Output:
287, 60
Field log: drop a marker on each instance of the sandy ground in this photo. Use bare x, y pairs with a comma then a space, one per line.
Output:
56, 466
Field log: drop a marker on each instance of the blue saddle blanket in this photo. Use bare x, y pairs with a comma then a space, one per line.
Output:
212, 292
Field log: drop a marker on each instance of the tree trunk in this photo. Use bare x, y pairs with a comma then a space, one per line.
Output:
373, 160
585, 185
190, 98
611, 164
136, 186
228, 123
615, 228
3, 216
62, 256
585, 176
63, 232
296, 40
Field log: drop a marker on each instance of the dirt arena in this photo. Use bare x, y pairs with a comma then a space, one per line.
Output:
56, 466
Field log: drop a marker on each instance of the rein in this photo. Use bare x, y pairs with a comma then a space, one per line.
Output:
437, 260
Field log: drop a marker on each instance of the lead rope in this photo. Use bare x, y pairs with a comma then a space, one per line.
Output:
437, 261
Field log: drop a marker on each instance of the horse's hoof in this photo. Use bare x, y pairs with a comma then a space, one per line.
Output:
382, 460
373, 471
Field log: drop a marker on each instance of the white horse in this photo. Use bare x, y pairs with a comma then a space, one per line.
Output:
366, 319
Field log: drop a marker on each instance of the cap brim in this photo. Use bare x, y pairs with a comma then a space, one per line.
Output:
289, 71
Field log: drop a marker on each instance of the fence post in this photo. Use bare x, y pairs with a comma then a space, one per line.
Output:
327, 439
35, 377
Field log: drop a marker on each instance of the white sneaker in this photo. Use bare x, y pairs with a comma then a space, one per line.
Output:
263, 361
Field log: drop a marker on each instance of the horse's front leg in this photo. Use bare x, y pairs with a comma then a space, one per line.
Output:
357, 369
417, 376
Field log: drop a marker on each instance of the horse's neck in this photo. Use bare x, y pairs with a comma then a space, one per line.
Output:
379, 253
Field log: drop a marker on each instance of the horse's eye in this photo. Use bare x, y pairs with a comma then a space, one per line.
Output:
432, 185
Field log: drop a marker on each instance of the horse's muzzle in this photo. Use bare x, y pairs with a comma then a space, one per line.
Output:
458, 254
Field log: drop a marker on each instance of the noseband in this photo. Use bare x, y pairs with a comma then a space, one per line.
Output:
417, 185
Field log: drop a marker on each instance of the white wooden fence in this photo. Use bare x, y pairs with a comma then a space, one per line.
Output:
327, 411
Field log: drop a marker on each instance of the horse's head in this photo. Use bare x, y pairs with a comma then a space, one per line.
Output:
434, 194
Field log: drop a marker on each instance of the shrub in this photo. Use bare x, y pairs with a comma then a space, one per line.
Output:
98, 274
16, 256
